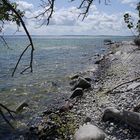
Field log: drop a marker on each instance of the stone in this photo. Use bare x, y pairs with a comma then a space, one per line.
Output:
21, 106
87, 119
100, 59
88, 79
75, 76
97, 54
133, 86
110, 113
66, 107
78, 92
130, 118
72, 82
111, 128
82, 83
118, 53
89, 132
97, 62
108, 42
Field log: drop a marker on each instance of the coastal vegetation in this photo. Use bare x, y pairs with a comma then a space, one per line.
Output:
134, 27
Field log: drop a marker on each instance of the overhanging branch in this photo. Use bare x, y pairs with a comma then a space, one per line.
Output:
28, 35
48, 10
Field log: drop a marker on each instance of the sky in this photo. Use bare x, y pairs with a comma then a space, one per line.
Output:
101, 20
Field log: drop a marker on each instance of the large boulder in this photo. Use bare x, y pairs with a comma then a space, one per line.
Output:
111, 113
82, 83
78, 92
129, 117
89, 132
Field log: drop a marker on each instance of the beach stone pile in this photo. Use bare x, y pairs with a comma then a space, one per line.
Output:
116, 113
92, 113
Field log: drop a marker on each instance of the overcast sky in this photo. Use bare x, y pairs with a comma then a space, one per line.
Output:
102, 19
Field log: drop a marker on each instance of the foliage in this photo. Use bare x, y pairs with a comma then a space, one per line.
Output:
130, 23
6, 14
137, 41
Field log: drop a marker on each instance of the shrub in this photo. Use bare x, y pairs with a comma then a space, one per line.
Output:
137, 42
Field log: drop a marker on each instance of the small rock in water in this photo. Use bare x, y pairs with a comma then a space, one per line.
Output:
100, 59
89, 132
78, 92
21, 106
97, 54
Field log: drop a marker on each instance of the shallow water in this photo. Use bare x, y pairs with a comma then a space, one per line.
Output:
55, 59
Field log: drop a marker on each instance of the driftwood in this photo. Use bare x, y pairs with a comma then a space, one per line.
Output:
127, 82
129, 117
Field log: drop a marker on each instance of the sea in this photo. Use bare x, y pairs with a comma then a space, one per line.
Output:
56, 58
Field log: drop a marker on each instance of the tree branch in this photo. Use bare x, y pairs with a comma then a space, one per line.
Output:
109, 91
49, 10
10, 113
27, 33
85, 6
20, 59
5, 43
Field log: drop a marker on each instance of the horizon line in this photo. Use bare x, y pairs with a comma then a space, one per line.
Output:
70, 35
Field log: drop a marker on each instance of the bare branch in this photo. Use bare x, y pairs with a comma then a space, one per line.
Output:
27, 33
20, 58
127, 82
49, 10
10, 113
85, 7
5, 43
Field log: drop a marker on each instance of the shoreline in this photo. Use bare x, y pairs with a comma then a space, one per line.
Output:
109, 70
92, 104
120, 64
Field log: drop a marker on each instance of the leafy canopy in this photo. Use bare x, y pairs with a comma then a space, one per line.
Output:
6, 14
129, 21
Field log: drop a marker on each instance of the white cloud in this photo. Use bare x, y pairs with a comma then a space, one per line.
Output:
66, 21
24, 6
132, 3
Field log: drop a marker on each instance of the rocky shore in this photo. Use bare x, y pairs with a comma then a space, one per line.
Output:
120, 64
112, 114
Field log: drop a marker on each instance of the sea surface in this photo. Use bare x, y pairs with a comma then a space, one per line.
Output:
55, 59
